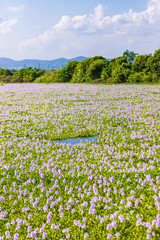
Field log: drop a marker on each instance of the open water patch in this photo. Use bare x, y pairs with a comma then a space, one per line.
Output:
73, 141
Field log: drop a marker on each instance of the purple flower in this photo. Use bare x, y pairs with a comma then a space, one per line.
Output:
67, 235
92, 210
29, 228
77, 223
121, 218
44, 235
30, 216
45, 208
86, 235
18, 228
101, 220
13, 222
114, 224
52, 205
8, 224
136, 202
109, 226
16, 236
109, 236
117, 234
122, 201
139, 222
111, 179
149, 236
33, 234
61, 215
36, 230
3, 215
84, 219
2, 198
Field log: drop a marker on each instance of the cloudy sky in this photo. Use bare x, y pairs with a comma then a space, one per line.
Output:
52, 29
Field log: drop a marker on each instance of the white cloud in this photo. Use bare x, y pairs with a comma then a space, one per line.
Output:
98, 34
16, 8
6, 25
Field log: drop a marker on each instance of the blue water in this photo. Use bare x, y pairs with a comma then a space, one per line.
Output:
73, 141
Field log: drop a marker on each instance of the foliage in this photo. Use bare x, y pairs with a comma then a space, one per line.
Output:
47, 77
140, 63
89, 69
142, 77
130, 55
62, 76
5, 72
95, 69
130, 67
27, 75
70, 67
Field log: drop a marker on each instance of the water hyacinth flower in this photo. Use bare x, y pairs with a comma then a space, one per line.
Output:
84, 219
16, 236
121, 218
8, 224
117, 235
45, 208
111, 179
109, 236
101, 220
149, 236
44, 235
86, 235
32, 234
2, 199
109, 226
36, 231
3, 214
67, 236
30, 216
114, 224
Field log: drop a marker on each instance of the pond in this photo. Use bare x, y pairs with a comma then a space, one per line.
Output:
73, 141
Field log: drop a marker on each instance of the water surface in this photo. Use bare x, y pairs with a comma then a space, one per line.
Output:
73, 141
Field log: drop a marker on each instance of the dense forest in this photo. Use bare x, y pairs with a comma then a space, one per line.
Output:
128, 68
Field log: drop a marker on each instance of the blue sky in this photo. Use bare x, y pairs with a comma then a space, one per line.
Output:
52, 29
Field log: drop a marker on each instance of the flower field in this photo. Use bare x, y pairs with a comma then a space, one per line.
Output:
106, 189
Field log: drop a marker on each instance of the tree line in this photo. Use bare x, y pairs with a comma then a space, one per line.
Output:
128, 68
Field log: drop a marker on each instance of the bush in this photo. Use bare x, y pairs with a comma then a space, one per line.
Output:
95, 69
142, 78
5, 79
48, 77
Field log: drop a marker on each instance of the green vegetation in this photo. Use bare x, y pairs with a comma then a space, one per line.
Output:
22, 75
128, 68
105, 189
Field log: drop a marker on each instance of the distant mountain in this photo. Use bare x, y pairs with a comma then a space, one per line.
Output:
42, 64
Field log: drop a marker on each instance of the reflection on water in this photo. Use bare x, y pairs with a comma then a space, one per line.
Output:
77, 140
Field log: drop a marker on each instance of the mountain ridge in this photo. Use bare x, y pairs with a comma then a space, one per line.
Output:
9, 63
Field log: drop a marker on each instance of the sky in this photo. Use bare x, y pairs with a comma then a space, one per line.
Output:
34, 29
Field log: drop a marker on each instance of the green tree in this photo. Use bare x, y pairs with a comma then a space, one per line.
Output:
7, 72
95, 69
130, 55
1, 71
140, 63
106, 74
153, 63
62, 76
120, 69
27, 74
81, 70
70, 67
